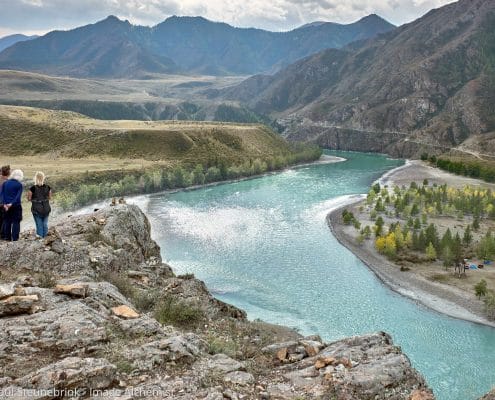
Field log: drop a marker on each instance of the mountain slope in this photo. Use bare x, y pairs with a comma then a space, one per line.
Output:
115, 48
431, 81
109, 48
8, 41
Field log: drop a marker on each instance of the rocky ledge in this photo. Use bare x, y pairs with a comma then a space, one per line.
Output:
93, 312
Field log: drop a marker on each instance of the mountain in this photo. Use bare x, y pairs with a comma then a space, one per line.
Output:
429, 84
115, 48
109, 48
8, 41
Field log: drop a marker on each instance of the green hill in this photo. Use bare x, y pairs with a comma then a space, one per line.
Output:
125, 157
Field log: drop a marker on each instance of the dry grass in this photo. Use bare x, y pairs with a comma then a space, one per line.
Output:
60, 134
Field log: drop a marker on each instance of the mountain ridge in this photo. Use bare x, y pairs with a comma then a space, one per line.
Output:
7, 41
178, 44
429, 80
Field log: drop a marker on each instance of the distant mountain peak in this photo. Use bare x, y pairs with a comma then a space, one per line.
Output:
373, 18
112, 19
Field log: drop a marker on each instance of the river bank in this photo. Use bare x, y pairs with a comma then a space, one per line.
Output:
443, 298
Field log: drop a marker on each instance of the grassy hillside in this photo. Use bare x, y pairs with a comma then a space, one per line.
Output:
124, 157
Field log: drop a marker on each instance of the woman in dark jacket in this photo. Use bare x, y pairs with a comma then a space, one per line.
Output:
39, 195
11, 200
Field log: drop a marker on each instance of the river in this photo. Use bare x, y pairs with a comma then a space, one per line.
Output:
264, 246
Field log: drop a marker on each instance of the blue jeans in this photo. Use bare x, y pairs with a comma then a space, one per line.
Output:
41, 225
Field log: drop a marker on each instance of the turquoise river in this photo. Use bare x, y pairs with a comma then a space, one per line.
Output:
264, 246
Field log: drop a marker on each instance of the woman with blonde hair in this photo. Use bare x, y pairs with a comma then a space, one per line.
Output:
11, 200
39, 195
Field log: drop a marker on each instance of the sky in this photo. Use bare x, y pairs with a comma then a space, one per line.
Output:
41, 16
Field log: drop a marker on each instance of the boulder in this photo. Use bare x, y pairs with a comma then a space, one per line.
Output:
312, 347
184, 348
71, 373
7, 289
124, 311
14, 305
74, 290
224, 364
239, 378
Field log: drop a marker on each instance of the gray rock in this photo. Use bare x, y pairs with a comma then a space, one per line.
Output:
239, 378
142, 326
14, 305
70, 373
223, 363
176, 348
7, 289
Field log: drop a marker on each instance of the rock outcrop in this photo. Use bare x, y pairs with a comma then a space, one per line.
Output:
92, 311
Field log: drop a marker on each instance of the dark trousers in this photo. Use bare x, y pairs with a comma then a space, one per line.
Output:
12, 223
2, 214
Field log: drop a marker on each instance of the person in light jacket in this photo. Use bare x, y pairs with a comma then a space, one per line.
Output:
11, 200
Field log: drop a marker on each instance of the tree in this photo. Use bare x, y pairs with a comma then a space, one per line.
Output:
390, 245
448, 257
476, 223
486, 247
347, 217
198, 175
446, 239
457, 248
399, 237
380, 244
468, 237
431, 253
480, 289
417, 224
408, 240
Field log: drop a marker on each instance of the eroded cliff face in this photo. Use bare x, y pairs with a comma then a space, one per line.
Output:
93, 311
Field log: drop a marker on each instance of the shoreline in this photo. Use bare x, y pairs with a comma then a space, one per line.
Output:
324, 159
444, 299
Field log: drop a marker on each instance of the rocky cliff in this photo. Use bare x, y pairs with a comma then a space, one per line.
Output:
92, 311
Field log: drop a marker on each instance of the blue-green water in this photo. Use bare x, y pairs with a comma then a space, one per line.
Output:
264, 246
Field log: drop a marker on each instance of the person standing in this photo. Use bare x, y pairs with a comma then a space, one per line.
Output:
39, 195
5, 172
11, 200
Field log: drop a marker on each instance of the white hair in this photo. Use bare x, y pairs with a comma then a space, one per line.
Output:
39, 178
17, 174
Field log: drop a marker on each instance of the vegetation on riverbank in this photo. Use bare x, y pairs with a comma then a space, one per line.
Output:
158, 179
87, 159
481, 169
432, 225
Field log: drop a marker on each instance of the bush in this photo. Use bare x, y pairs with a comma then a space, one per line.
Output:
178, 313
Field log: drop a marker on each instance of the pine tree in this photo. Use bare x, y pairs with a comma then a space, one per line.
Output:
468, 237
446, 239
476, 223
457, 248
480, 289
431, 253
417, 224
448, 256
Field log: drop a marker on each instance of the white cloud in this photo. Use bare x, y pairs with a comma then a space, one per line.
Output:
44, 15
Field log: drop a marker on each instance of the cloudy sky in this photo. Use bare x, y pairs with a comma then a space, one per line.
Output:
41, 16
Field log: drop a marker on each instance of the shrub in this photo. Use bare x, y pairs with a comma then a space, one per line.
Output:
175, 312
480, 289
